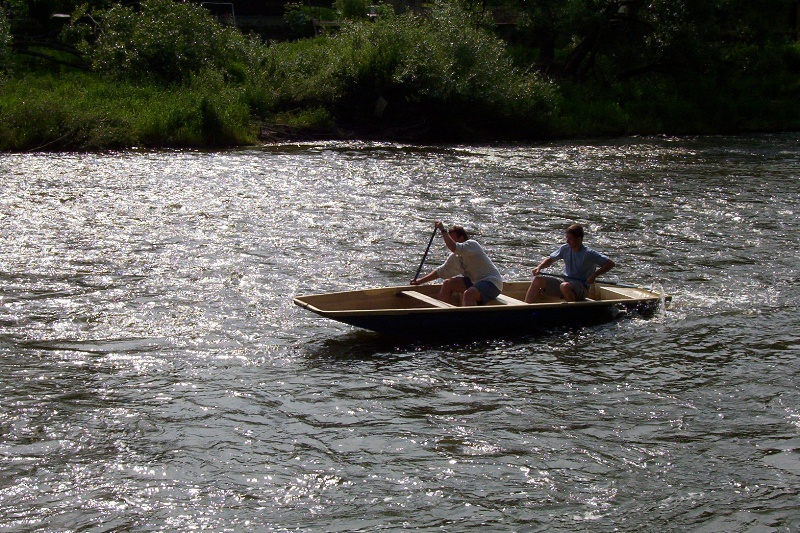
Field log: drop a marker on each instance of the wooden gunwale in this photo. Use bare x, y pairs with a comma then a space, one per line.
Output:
500, 307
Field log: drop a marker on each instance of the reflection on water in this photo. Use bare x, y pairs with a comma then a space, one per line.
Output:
156, 375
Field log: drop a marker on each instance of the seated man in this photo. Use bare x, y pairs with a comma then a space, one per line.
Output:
580, 270
467, 271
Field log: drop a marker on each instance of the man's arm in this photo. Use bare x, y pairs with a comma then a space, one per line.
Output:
546, 262
425, 279
605, 267
448, 240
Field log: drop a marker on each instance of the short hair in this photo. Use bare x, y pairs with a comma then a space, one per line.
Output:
460, 231
576, 230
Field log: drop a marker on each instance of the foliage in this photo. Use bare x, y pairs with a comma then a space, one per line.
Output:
164, 40
297, 16
351, 9
5, 40
438, 67
311, 119
458, 64
82, 111
35, 26
41, 11
168, 74
612, 39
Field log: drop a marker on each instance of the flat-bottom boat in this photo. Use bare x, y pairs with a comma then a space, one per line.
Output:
414, 311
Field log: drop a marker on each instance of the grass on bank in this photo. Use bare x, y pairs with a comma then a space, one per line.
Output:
82, 111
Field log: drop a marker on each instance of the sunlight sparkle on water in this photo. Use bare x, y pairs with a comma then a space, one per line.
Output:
158, 375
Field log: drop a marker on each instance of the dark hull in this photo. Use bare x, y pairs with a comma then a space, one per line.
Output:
512, 321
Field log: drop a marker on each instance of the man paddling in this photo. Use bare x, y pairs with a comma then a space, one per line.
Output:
582, 266
468, 271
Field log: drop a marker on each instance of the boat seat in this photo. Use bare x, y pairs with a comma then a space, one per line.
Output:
619, 295
507, 300
427, 299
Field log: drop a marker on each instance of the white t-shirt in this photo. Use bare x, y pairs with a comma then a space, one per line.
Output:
470, 260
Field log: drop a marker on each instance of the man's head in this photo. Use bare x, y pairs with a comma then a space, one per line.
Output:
458, 233
575, 236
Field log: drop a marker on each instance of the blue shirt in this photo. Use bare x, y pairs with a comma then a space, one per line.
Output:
579, 265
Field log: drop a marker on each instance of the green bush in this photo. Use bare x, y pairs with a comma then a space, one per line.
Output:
166, 40
439, 66
297, 17
5, 40
300, 73
80, 111
462, 67
313, 119
351, 9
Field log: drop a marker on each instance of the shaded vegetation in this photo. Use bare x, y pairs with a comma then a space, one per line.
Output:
403, 74
77, 110
167, 73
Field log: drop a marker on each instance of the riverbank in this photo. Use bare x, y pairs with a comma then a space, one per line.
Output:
442, 77
85, 111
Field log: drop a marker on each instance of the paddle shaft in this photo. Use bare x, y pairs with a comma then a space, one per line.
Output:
425, 255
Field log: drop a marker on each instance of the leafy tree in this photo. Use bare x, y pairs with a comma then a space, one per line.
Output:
296, 16
611, 38
351, 9
5, 39
437, 69
165, 40
40, 21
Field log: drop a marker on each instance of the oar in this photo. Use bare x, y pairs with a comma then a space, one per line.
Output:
425, 254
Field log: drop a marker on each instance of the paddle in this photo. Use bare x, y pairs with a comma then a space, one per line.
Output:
425, 254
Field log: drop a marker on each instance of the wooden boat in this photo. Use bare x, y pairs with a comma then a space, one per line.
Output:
414, 311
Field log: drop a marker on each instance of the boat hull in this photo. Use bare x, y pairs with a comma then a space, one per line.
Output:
409, 311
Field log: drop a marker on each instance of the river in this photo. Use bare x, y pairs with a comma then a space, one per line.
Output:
156, 376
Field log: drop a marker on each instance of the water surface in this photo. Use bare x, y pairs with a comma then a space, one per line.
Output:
155, 375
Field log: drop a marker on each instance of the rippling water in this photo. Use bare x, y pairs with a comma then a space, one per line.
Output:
155, 375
